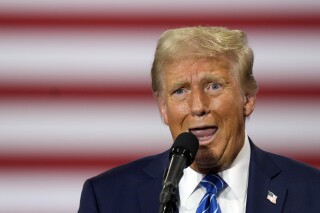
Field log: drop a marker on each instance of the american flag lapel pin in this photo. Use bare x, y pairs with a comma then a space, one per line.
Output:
272, 197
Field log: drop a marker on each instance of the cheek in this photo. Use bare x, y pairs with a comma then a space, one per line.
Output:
234, 104
224, 106
176, 112
228, 113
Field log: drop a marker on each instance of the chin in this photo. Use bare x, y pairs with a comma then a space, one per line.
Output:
207, 163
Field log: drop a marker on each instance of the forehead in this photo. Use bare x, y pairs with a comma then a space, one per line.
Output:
189, 68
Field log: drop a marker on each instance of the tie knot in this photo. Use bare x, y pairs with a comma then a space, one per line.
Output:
213, 183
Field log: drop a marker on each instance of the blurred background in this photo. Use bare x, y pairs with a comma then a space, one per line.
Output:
75, 97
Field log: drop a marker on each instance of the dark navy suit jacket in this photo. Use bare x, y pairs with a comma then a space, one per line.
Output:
135, 187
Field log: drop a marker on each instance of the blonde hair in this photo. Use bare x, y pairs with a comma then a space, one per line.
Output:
205, 42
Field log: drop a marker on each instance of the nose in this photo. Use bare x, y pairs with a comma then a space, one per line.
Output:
198, 103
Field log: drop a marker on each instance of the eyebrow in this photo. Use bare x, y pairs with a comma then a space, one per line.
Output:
209, 78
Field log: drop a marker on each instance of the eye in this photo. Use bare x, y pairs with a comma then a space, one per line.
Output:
214, 86
179, 91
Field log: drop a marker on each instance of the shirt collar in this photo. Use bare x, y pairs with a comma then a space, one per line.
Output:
189, 183
236, 176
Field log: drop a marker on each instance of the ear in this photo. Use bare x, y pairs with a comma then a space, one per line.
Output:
163, 108
250, 102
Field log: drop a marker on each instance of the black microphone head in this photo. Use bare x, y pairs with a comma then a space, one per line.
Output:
186, 144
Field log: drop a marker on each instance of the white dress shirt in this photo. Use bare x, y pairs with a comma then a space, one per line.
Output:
232, 199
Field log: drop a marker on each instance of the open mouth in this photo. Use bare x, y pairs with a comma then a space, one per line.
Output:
204, 134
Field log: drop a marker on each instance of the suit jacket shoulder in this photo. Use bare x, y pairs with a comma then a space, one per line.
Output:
292, 186
126, 188
297, 171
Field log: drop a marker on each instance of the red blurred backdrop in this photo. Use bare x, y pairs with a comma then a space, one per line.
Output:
75, 95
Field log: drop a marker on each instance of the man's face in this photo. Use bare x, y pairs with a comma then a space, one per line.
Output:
204, 97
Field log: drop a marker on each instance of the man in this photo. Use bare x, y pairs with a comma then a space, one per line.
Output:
203, 82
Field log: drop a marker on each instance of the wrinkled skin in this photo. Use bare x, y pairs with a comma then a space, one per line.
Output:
205, 97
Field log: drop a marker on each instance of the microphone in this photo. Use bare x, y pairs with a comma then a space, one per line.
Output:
182, 154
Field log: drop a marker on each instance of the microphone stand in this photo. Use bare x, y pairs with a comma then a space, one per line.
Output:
168, 197
169, 206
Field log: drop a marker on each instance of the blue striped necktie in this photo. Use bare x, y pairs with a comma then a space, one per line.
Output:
213, 184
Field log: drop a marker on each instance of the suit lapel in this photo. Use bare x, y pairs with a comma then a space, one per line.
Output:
148, 194
262, 180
